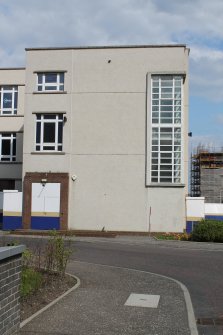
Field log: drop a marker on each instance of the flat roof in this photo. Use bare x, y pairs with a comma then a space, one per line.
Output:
111, 47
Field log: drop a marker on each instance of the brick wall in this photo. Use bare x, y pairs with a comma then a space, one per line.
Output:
10, 269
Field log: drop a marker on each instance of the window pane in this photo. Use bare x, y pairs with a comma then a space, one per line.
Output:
49, 148
38, 126
7, 100
49, 117
14, 147
40, 78
166, 102
61, 78
50, 78
165, 142
60, 132
166, 180
165, 155
166, 161
6, 144
50, 88
154, 167
15, 100
166, 167
165, 173
49, 133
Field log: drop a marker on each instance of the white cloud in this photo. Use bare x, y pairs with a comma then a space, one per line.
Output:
30, 23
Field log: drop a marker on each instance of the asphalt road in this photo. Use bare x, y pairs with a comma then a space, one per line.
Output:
200, 270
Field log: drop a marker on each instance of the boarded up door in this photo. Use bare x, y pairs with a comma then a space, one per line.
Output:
45, 208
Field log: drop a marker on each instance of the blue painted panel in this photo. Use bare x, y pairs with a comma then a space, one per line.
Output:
12, 222
1, 219
190, 226
45, 222
214, 217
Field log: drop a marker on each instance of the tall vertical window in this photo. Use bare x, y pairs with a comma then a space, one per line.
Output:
8, 147
8, 100
166, 149
50, 81
49, 132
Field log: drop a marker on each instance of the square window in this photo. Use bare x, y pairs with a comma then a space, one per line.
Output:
8, 147
50, 81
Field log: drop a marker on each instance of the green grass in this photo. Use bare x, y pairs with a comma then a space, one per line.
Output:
30, 281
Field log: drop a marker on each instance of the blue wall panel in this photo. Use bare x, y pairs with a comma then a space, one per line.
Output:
214, 217
45, 222
190, 225
12, 222
1, 219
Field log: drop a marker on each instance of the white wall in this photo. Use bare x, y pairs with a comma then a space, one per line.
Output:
213, 209
12, 202
195, 208
104, 140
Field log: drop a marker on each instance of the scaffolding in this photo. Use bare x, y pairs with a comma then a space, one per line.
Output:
207, 175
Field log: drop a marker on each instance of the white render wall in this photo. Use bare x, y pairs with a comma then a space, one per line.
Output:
104, 139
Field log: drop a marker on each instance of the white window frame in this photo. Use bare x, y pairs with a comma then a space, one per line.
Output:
12, 90
56, 121
58, 85
12, 138
174, 167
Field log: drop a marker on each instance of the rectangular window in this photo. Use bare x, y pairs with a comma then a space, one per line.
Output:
8, 147
166, 129
49, 132
8, 100
50, 81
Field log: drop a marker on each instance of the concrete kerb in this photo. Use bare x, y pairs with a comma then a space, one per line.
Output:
23, 323
188, 302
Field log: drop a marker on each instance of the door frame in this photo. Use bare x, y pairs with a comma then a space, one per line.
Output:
50, 177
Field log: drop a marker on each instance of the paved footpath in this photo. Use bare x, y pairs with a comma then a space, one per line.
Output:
97, 306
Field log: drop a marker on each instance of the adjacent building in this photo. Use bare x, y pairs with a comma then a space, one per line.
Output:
207, 175
104, 133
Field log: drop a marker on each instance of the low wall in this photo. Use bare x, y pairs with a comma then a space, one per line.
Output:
10, 268
197, 209
12, 210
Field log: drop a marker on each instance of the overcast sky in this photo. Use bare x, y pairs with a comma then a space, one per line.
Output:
197, 23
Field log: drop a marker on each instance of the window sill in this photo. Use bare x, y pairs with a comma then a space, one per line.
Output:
50, 92
165, 185
11, 115
47, 153
10, 162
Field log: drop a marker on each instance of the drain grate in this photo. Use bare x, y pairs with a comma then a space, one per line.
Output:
210, 321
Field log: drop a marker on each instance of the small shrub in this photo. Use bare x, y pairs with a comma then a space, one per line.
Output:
27, 258
56, 254
208, 231
30, 281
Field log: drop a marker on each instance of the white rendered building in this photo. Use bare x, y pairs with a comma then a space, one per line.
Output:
105, 137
